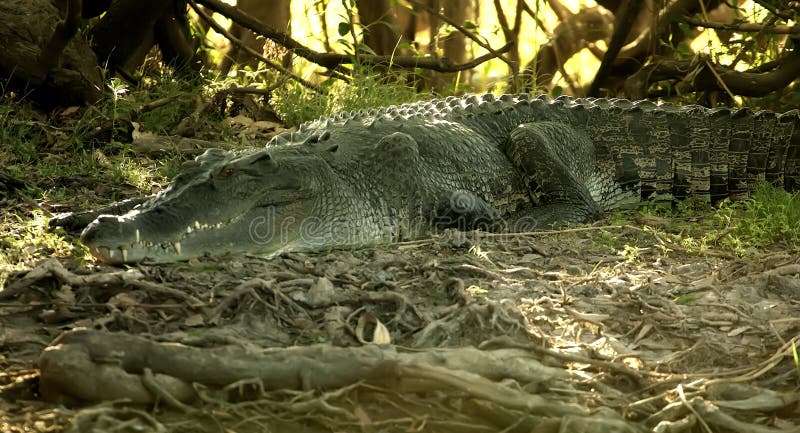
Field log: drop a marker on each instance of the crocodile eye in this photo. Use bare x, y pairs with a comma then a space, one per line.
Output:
226, 171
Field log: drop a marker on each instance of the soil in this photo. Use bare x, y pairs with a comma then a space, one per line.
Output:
572, 336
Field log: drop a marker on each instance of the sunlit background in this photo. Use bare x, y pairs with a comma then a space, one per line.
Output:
307, 28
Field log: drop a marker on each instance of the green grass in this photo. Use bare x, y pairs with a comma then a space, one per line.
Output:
69, 168
26, 239
367, 89
769, 217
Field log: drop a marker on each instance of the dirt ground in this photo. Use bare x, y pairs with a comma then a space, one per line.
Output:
466, 332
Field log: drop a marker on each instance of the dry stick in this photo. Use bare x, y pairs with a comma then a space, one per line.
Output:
721, 81
130, 277
53, 268
480, 387
467, 33
569, 357
703, 379
726, 422
219, 29
762, 368
691, 408
745, 27
149, 382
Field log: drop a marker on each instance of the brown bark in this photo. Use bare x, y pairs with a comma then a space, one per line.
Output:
119, 34
640, 47
173, 37
744, 27
74, 77
455, 45
704, 79
65, 30
569, 37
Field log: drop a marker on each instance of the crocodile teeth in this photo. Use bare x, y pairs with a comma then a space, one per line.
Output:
137, 236
197, 224
125, 252
177, 246
110, 253
189, 230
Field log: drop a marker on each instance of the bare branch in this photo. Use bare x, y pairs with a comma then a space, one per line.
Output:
775, 11
670, 14
623, 22
737, 82
467, 33
744, 27
334, 60
219, 29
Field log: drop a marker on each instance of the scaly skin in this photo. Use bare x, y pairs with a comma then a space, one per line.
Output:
399, 173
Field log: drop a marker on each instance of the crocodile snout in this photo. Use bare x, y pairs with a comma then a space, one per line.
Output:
110, 238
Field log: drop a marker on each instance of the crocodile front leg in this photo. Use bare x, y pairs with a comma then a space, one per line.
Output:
74, 222
463, 210
555, 159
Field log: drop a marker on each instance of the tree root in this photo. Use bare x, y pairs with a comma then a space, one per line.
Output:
98, 366
52, 268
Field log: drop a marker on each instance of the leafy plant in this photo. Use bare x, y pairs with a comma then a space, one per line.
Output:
770, 215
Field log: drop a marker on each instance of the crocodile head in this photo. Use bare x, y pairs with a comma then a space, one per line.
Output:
258, 202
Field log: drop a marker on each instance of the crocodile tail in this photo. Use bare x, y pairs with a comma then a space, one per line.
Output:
721, 153
671, 152
791, 165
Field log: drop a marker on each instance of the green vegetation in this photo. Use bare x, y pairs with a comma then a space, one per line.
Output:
367, 89
769, 217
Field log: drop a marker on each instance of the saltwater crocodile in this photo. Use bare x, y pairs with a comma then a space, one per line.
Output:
400, 172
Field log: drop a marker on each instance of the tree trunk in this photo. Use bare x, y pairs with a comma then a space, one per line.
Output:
455, 44
118, 37
379, 18
26, 27
274, 13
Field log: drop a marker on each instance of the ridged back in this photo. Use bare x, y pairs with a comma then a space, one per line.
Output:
650, 150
